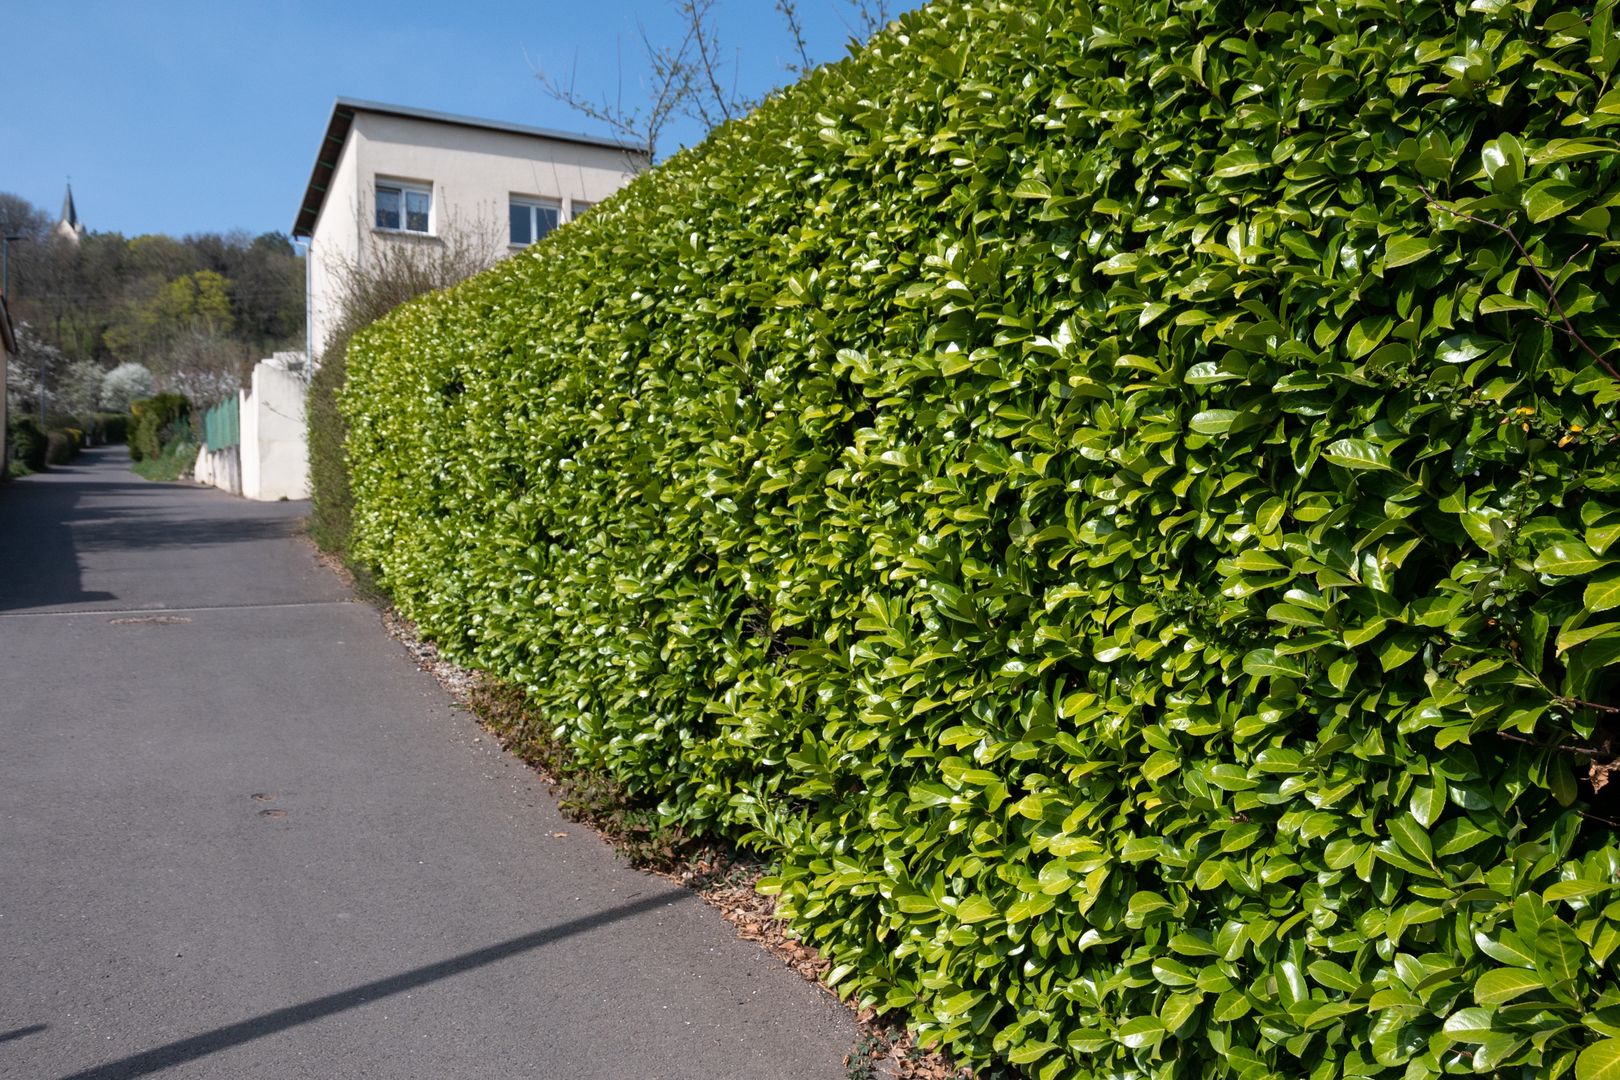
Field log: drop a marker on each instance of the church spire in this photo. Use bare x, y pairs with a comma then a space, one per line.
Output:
70, 227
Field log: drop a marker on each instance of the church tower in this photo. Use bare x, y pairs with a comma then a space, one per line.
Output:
70, 228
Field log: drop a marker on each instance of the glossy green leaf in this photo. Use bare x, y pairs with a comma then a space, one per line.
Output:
1568, 558
1599, 1061
1502, 985
1357, 454
1604, 594
1404, 250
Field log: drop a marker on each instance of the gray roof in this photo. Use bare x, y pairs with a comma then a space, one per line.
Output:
337, 133
70, 213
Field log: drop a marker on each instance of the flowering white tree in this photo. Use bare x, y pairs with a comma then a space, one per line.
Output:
123, 384
23, 370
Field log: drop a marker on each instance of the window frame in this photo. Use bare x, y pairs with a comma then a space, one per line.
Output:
531, 203
405, 189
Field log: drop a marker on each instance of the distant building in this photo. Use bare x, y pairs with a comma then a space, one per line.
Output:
70, 228
386, 174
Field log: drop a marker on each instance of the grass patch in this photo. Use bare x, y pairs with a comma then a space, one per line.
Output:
172, 464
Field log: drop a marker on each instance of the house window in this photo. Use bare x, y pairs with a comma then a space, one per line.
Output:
532, 219
577, 208
408, 207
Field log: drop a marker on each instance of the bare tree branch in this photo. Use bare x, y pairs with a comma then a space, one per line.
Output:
671, 75
688, 78
701, 28
789, 10
870, 16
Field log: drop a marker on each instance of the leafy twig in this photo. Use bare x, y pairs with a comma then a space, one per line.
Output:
1588, 705
1594, 817
1582, 750
1546, 286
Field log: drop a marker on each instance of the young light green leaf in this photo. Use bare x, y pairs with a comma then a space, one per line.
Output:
1265, 663
1603, 594
1568, 558
1502, 985
1600, 1061
1550, 198
1357, 454
1471, 1025
1568, 639
1401, 250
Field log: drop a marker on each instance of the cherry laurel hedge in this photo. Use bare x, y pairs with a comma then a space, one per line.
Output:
1119, 499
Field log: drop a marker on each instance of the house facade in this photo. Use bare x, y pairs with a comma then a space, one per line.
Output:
387, 176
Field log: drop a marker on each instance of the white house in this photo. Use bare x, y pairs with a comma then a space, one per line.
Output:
386, 174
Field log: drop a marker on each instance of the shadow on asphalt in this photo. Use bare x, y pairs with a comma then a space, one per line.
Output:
47, 525
23, 1032
39, 565
113, 531
223, 1038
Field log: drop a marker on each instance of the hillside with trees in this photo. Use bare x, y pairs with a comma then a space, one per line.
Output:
195, 311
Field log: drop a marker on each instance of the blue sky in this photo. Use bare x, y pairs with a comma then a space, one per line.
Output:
182, 116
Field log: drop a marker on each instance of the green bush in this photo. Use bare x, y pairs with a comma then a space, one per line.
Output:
28, 443
1117, 499
61, 446
178, 458
157, 421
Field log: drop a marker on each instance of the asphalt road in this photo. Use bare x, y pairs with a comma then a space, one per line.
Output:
241, 835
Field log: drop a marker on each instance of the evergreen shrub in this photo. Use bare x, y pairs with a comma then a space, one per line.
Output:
62, 445
1118, 499
28, 443
157, 421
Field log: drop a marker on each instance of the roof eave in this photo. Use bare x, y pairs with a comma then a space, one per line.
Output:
320, 177
337, 133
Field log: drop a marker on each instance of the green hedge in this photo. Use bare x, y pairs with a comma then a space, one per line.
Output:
28, 443
1100, 493
62, 445
156, 422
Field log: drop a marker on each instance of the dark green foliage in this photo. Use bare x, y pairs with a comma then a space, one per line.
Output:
1104, 497
28, 443
62, 445
108, 428
156, 422
331, 502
